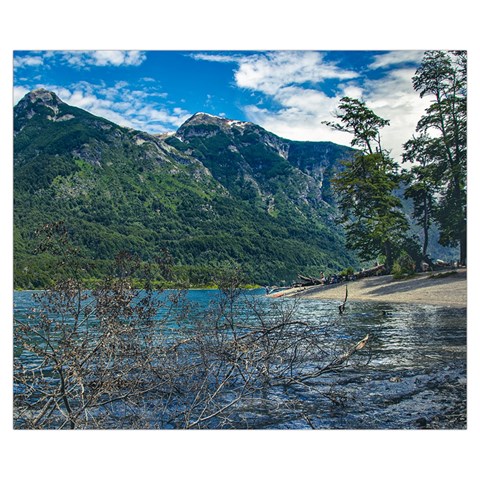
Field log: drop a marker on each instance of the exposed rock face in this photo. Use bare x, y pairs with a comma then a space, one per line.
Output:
36, 98
40, 102
45, 97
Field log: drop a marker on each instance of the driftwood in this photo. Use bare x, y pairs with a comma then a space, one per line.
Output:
306, 281
334, 365
370, 271
309, 281
341, 307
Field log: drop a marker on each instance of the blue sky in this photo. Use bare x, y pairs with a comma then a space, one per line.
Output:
287, 92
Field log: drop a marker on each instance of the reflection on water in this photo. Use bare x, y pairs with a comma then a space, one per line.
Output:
416, 376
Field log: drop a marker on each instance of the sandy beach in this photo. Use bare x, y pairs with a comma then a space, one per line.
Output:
439, 288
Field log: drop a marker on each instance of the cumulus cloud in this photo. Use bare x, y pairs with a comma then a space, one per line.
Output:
292, 83
295, 125
393, 97
103, 58
268, 73
300, 116
81, 58
19, 93
27, 61
390, 59
119, 103
352, 91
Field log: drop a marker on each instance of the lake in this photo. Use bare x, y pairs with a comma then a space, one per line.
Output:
413, 374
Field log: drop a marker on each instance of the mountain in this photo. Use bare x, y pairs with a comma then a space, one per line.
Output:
252, 162
217, 190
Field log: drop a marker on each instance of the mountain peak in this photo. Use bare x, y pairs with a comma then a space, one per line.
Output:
40, 103
205, 115
201, 119
42, 96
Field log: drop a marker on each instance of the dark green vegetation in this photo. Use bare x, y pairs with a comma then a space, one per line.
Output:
440, 152
218, 191
371, 213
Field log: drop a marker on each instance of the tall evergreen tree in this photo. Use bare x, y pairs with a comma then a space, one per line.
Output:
442, 77
371, 214
421, 179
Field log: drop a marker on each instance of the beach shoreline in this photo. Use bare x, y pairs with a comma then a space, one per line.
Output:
445, 288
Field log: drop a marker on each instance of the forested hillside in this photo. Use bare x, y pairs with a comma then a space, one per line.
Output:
216, 191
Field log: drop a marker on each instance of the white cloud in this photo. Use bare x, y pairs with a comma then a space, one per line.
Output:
396, 57
393, 97
81, 58
352, 91
267, 73
293, 124
216, 57
117, 57
19, 93
119, 103
151, 115
103, 58
27, 61
304, 99
292, 82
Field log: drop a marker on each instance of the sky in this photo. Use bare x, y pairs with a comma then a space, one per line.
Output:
288, 92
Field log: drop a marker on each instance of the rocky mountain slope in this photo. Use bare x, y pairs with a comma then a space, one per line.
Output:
217, 190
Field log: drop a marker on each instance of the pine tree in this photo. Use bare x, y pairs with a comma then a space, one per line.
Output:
371, 213
421, 179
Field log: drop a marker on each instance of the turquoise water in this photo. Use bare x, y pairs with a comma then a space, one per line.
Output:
415, 376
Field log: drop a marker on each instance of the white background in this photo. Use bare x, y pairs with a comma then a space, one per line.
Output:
246, 25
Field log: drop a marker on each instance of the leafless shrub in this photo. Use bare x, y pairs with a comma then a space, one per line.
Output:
120, 356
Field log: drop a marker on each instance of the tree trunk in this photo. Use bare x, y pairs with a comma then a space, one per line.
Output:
463, 248
425, 227
388, 257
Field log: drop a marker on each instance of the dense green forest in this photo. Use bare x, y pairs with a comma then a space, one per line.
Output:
224, 196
